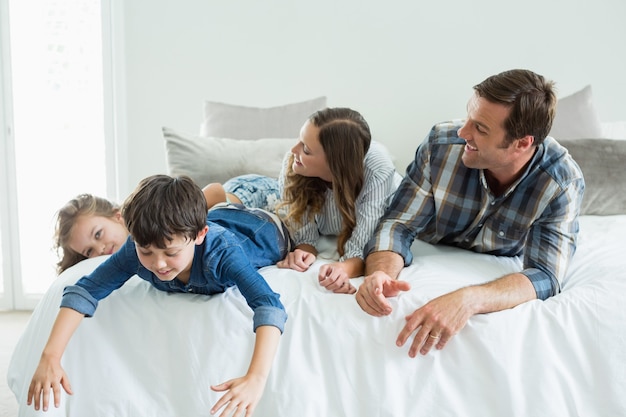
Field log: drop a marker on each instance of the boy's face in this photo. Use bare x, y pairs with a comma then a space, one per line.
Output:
172, 262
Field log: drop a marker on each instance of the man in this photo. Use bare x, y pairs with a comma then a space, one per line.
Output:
493, 183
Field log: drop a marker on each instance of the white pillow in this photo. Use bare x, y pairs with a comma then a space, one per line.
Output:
614, 130
224, 120
576, 117
213, 159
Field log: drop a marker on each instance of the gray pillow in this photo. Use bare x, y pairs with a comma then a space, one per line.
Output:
211, 159
603, 162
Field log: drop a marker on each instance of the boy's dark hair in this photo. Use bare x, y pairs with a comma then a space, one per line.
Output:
162, 207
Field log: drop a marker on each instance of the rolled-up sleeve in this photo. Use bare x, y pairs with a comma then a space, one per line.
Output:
409, 212
552, 240
235, 267
106, 278
269, 316
77, 298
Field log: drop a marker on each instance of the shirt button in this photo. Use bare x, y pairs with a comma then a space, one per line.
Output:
493, 202
480, 225
500, 233
189, 289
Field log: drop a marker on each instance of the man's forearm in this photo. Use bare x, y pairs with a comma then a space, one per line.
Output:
501, 294
386, 261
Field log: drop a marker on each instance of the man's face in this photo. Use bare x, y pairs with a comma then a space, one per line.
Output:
485, 135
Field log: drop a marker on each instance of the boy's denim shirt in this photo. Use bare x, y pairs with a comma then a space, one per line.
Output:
238, 243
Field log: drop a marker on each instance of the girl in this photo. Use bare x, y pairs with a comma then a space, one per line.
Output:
332, 183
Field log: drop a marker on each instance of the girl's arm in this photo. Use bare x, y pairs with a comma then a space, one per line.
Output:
300, 259
49, 373
336, 276
244, 393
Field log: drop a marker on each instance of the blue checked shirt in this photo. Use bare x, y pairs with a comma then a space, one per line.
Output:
441, 201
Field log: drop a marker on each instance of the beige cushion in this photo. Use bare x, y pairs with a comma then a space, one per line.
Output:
232, 121
576, 117
603, 162
212, 159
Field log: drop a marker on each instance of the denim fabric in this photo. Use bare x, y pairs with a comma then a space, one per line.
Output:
254, 190
238, 243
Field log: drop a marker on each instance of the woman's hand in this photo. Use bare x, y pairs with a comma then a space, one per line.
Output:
334, 277
299, 260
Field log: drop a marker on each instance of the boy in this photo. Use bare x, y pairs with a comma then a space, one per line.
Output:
177, 247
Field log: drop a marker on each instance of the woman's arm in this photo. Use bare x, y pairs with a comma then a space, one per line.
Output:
245, 392
49, 373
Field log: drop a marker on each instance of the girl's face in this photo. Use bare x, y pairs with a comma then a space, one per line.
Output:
309, 159
174, 261
93, 236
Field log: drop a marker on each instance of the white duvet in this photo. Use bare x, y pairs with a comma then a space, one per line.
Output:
149, 353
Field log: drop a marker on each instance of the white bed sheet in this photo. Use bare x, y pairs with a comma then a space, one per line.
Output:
148, 353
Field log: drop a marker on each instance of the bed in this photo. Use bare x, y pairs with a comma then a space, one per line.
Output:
149, 353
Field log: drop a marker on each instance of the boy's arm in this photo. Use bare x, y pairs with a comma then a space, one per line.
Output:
49, 373
245, 392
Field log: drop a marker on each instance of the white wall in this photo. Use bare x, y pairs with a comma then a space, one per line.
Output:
404, 65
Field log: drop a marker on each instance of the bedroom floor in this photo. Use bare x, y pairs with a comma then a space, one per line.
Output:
12, 324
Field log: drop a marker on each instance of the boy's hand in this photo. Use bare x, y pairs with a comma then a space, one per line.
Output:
48, 375
242, 397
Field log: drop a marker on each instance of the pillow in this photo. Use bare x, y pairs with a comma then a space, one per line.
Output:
602, 163
223, 120
614, 130
212, 159
576, 117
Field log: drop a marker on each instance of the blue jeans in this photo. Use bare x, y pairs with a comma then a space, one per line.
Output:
255, 191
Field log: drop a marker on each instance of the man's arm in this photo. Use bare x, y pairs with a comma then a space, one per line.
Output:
440, 319
382, 270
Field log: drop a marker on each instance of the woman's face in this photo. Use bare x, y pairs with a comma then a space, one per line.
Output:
93, 236
309, 159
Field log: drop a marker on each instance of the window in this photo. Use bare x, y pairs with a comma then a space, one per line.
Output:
53, 132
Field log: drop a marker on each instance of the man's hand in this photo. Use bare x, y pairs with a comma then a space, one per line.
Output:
372, 294
436, 322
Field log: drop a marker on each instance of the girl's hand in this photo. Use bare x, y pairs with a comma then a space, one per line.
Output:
49, 375
335, 278
242, 397
298, 260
